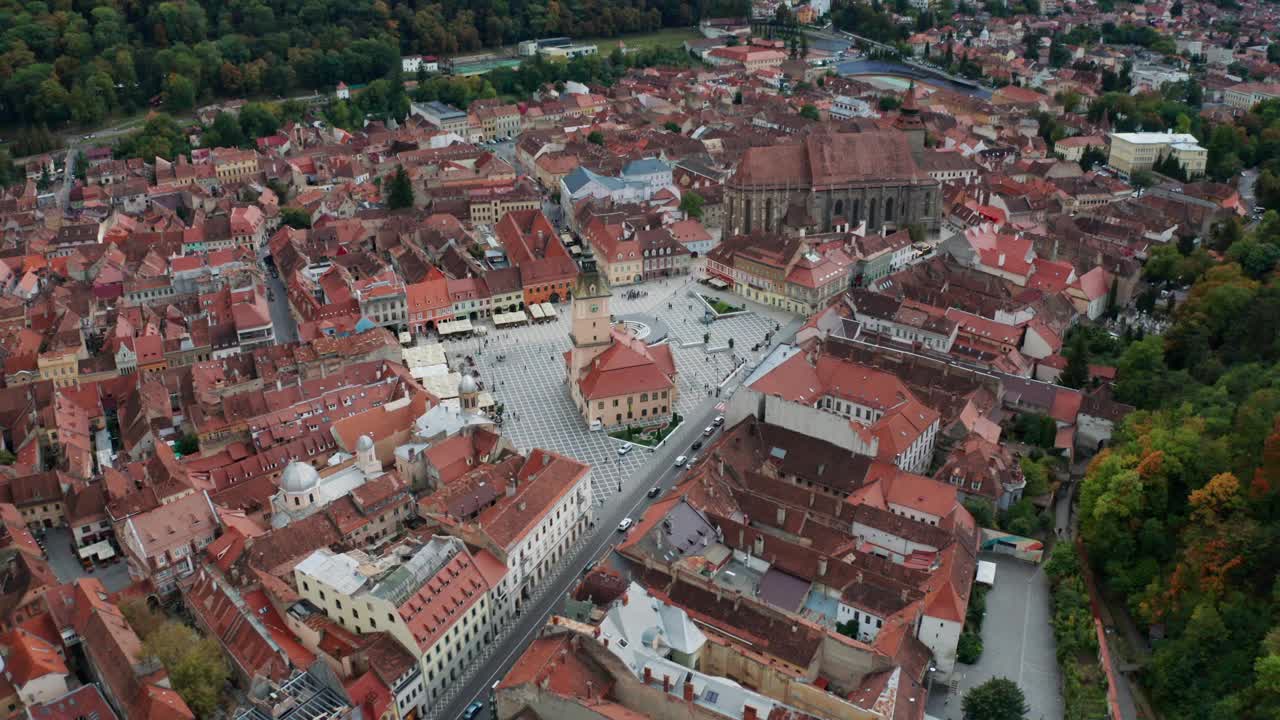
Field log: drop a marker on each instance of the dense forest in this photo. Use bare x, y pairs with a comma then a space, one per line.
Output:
1181, 515
78, 62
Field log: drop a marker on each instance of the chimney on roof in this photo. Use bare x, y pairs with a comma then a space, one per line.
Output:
904, 594
748, 713
822, 565
511, 486
859, 578
737, 600
666, 683
782, 516
688, 691
648, 675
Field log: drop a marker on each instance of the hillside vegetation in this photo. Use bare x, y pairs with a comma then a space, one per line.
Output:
79, 61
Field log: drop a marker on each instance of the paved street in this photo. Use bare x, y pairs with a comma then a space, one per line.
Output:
1018, 643
282, 319
531, 384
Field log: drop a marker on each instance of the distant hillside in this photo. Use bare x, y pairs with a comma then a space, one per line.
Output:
81, 64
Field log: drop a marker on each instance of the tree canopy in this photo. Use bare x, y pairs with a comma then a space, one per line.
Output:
996, 699
1180, 513
78, 63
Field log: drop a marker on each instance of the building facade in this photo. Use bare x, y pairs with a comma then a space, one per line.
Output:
827, 179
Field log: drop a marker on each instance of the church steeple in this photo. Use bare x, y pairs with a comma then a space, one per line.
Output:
909, 122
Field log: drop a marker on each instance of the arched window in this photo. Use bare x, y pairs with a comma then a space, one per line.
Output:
888, 210
871, 215
839, 209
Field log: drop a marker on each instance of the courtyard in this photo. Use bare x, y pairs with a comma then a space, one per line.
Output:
530, 382
1018, 644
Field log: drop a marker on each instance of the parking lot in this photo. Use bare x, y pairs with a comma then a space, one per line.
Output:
1017, 641
532, 385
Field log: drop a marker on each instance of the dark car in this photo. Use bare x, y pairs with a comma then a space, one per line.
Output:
473, 711
697, 444
655, 491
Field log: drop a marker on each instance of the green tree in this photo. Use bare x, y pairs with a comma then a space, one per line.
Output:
196, 666
399, 189
295, 217
258, 120
982, 511
224, 132
996, 699
187, 445
1092, 157
1076, 374
179, 93
969, 648
595, 137
809, 112
1036, 473
691, 204
671, 127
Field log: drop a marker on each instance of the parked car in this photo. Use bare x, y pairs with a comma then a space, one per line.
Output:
708, 430
625, 525
473, 710
624, 449
718, 421
680, 461
654, 491
696, 445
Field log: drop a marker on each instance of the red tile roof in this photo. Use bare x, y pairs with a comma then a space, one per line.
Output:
566, 669
30, 658
251, 648
443, 599
542, 481
85, 701
628, 366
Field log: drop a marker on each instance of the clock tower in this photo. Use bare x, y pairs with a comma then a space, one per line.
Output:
592, 331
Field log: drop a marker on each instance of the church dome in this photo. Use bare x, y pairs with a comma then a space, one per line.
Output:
467, 385
299, 478
364, 444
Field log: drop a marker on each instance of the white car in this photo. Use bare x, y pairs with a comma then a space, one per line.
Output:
623, 450
625, 525
680, 461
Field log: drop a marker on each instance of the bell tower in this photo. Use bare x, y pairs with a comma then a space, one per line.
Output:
592, 331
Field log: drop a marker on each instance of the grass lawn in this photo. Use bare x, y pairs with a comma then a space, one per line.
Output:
668, 37
648, 436
721, 306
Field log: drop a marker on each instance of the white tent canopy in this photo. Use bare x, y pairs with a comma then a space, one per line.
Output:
986, 572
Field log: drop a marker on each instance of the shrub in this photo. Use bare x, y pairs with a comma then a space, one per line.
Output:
969, 649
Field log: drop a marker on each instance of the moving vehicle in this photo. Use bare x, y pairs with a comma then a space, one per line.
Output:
708, 430
696, 445
718, 421
625, 525
472, 711
654, 491
680, 461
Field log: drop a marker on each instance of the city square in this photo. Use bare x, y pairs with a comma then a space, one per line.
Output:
529, 380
